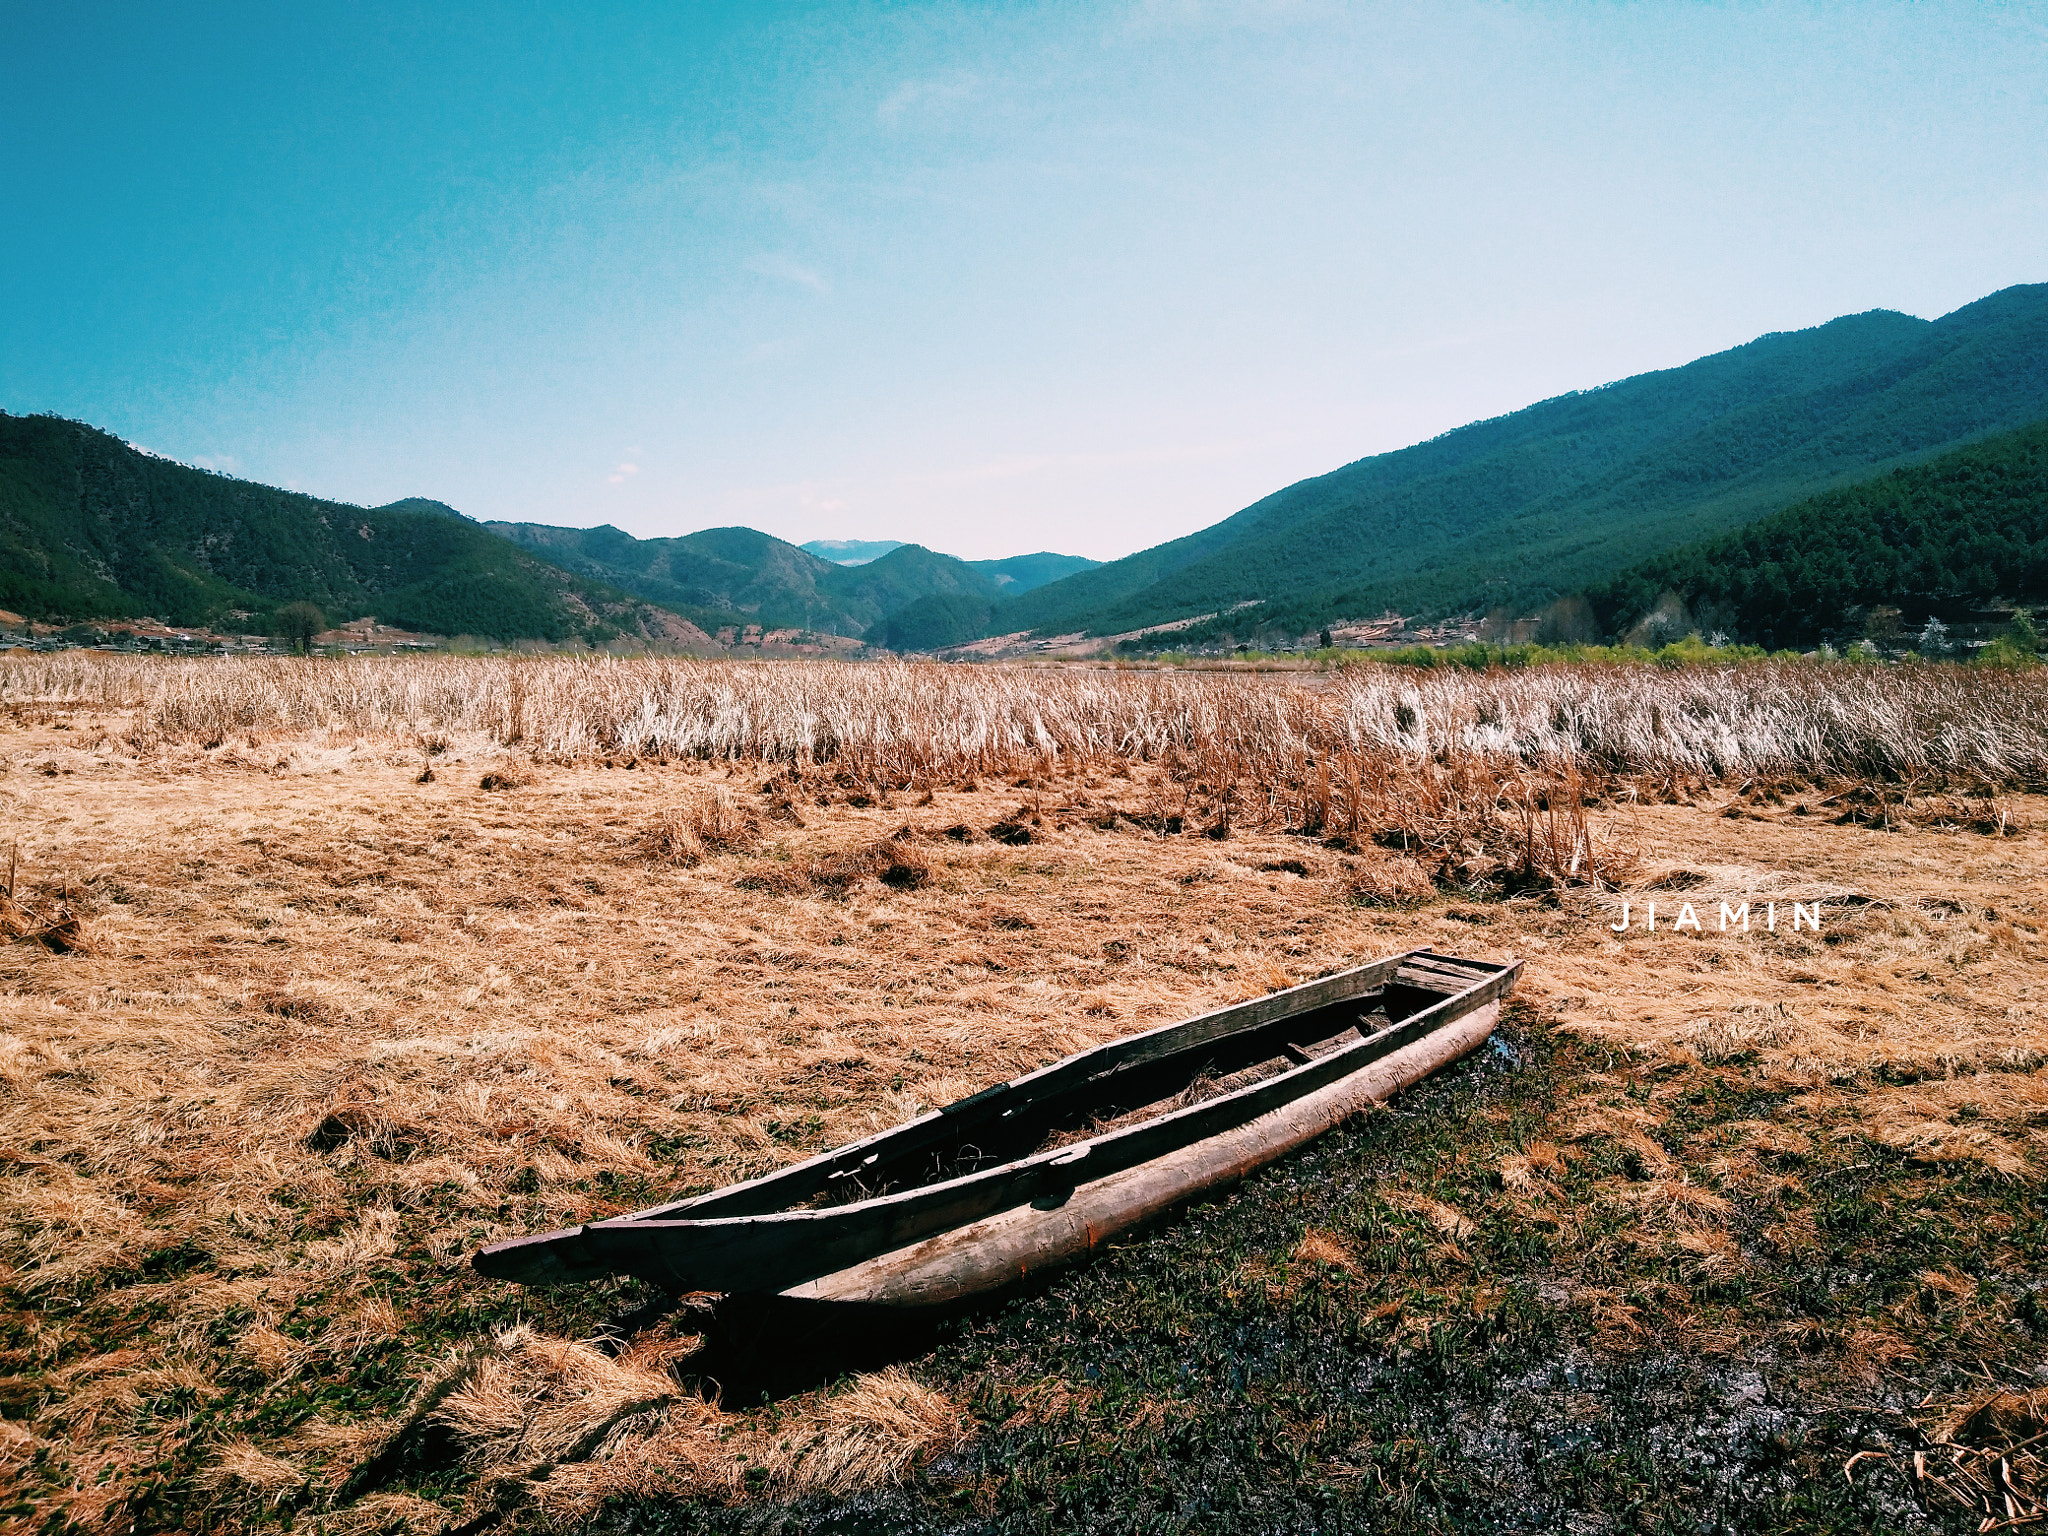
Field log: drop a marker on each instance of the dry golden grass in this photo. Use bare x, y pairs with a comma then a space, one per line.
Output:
328, 1028
1295, 747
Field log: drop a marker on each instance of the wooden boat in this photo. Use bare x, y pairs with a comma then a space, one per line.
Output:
1037, 1171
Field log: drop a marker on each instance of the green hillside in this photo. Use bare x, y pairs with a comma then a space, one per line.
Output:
907, 574
1961, 529
938, 620
1517, 510
771, 583
92, 528
1013, 575
1017, 574
749, 577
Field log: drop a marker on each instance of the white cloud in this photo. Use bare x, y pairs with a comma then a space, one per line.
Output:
622, 474
786, 270
912, 93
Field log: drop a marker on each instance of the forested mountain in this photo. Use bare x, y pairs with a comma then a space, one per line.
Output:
941, 619
907, 574
752, 576
771, 583
1961, 529
1519, 509
1018, 574
938, 620
1012, 575
93, 528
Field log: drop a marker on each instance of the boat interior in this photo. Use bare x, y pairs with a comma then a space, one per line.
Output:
999, 1127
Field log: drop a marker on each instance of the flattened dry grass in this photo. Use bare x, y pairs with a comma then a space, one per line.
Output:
336, 1028
330, 1028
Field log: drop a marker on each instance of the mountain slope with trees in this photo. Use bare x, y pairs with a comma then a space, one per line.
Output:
1525, 507
772, 583
1014, 575
1963, 529
91, 527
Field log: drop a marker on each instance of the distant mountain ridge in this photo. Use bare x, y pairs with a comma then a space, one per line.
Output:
1518, 510
764, 580
850, 551
753, 575
1013, 575
91, 527
1018, 574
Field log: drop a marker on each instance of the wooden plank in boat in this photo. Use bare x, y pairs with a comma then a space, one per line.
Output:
814, 1176
968, 1261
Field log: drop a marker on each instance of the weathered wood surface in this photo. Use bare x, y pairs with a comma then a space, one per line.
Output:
1013, 1245
800, 1181
687, 1247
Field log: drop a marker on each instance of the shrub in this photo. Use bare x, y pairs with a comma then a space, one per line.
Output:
297, 624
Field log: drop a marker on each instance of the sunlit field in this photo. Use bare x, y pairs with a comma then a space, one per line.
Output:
320, 974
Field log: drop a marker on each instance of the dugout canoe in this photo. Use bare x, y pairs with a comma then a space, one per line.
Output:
1038, 1171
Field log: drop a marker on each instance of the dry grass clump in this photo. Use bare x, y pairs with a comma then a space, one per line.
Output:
868, 1433
564, 1426
1986, 1119
710, 822
1893, 806
1988, 1457
251, 1478
539, 1400
51, 914
1327, 1249
1388, 882
895, 860
871, 1434
1450, 1223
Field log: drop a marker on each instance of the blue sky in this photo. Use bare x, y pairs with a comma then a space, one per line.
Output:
986, 277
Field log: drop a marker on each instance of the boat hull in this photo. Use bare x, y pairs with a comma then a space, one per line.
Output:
1010, 1248
769, 1236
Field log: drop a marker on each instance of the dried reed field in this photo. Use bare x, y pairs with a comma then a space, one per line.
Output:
919, 724
324, 973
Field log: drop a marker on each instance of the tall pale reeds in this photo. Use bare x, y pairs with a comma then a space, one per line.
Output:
1253, 739
1465, 770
